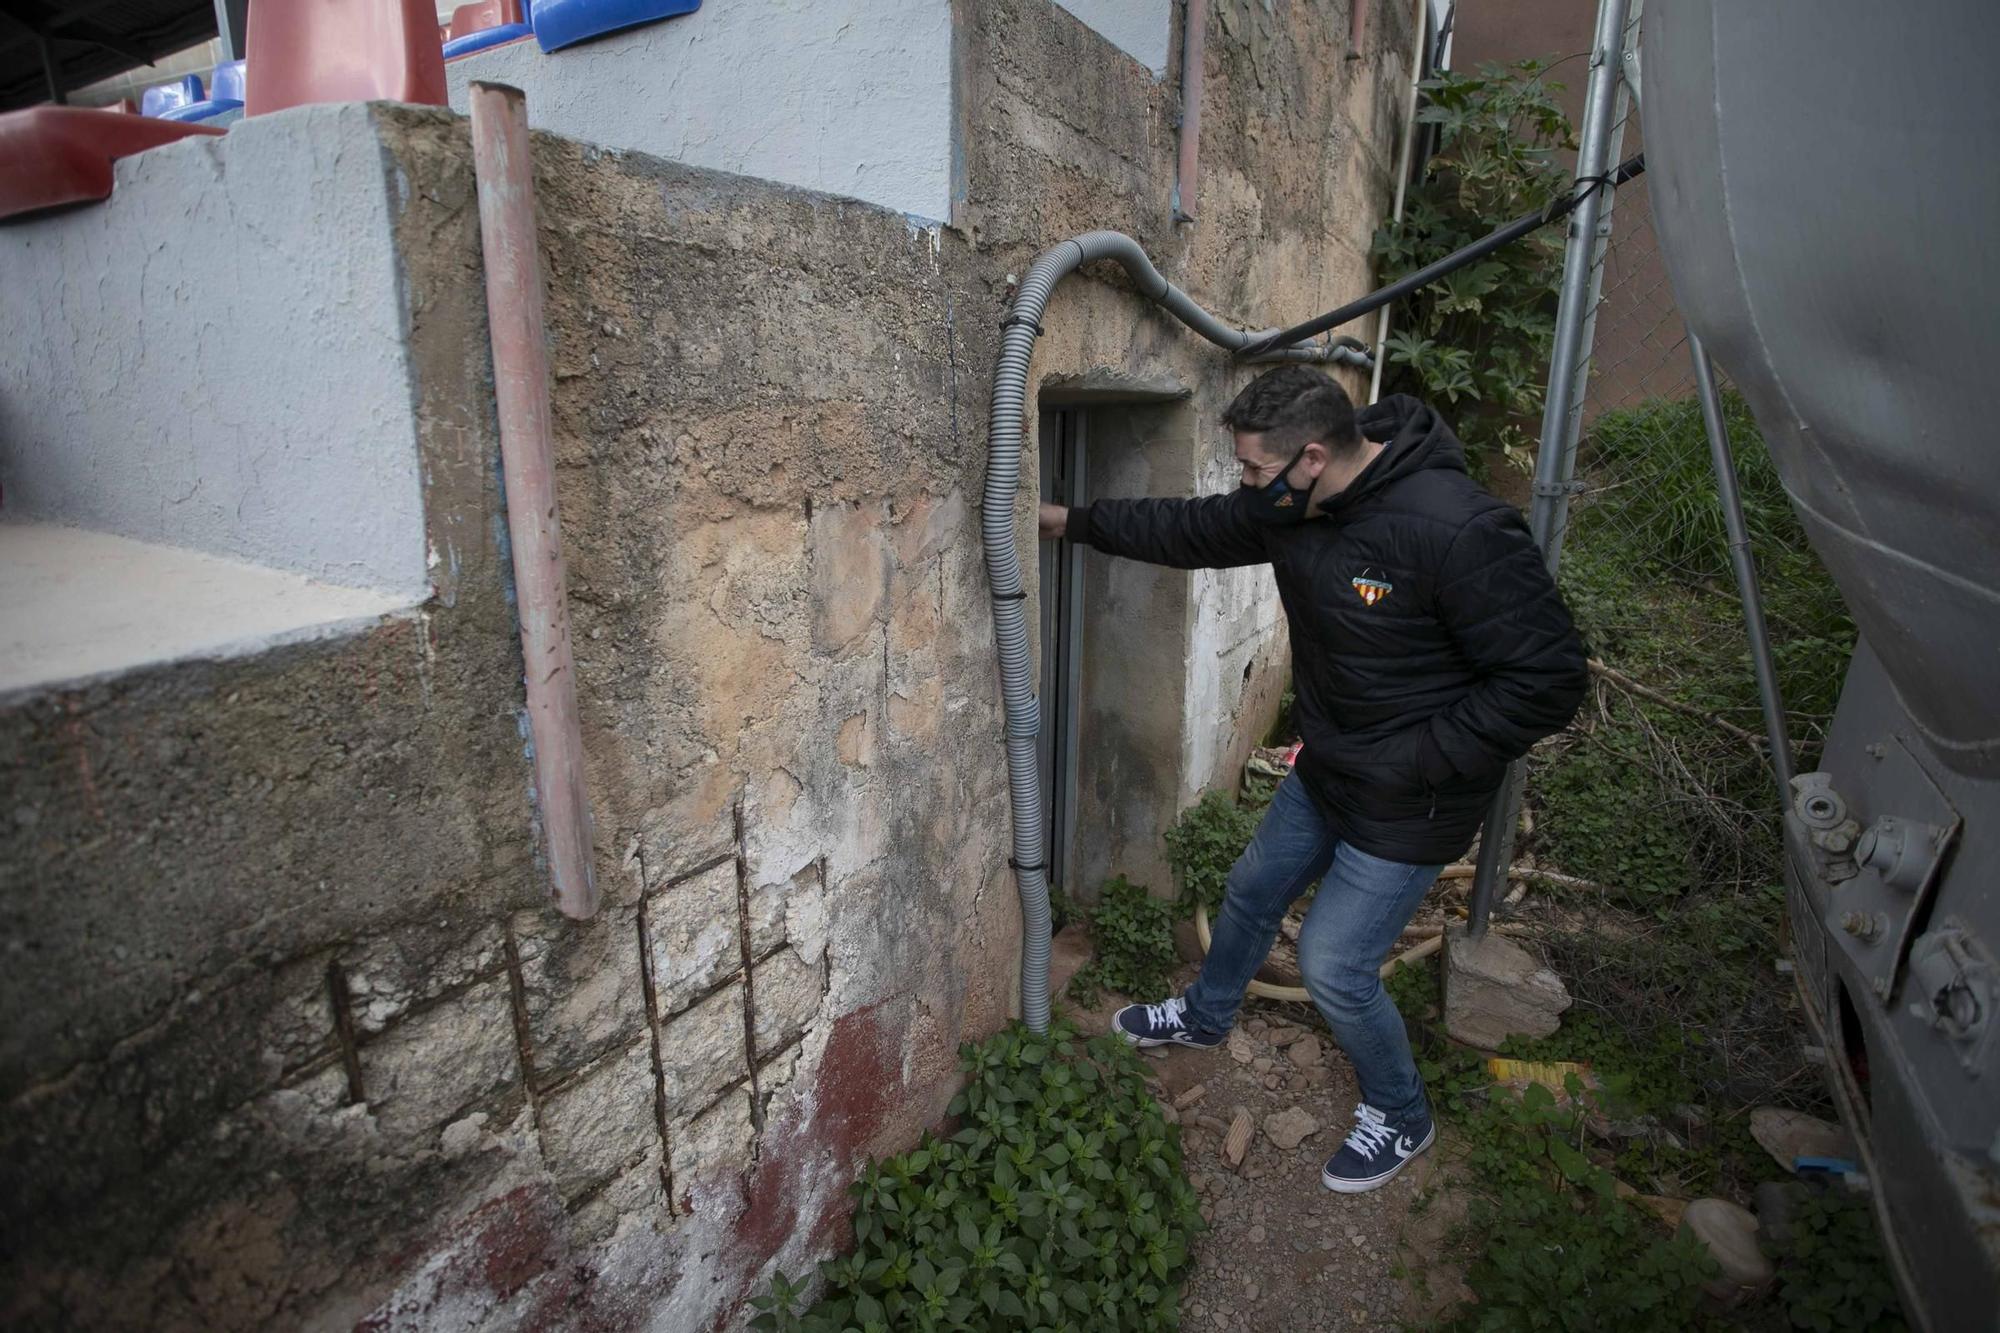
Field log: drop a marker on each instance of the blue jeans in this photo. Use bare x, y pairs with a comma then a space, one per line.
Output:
1361, 908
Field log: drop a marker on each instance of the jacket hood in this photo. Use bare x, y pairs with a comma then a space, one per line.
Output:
1414, 438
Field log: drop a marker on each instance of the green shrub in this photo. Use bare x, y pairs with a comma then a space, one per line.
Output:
1205, 842
1562, 1251
1556, 1247
1603, 820
1832, 1277
1480, 339
1674, 521
1657, 513
1132, 943
1652, 802
1060, 1204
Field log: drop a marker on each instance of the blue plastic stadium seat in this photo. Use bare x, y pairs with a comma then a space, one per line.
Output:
225, 94
484, 23
231, 81
560, 23
162, 98
479, 41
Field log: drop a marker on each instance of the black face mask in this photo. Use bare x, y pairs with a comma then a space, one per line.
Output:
1279, 503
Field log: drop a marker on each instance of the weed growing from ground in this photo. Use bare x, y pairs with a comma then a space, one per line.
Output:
1132, 943
1205, 842
1060, 1203
1831, 1278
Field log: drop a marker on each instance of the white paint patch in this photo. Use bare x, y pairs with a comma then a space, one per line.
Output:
1139, 28
1235, 610
852, 97
215, 357
77, 605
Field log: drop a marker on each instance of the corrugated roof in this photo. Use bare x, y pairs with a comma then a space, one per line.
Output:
90, 40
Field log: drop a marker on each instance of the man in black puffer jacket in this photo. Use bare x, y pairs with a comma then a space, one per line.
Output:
1429, 648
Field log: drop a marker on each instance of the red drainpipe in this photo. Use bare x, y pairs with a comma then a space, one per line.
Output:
1194, 41
501, 163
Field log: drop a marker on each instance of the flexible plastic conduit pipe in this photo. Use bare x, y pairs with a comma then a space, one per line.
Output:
505, 177
1003, 564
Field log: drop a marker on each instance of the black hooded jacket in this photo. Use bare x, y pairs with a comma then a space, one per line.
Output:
1429, 644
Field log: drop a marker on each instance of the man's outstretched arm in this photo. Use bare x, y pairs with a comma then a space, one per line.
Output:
1211, 532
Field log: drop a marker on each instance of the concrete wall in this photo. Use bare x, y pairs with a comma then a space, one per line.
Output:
1139, 28
852, 97
293, 1040
213, 358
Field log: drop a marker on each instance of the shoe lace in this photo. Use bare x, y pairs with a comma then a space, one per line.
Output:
1167, 1013
1371, 1132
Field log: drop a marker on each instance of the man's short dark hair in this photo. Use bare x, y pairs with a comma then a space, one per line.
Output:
1289, 405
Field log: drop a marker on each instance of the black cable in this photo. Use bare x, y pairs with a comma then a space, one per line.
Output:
1450, 264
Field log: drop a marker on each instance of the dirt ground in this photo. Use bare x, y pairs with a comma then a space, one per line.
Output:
1283, 1254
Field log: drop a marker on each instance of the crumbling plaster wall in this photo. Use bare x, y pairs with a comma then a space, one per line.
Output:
1297, 165
348, 1068
298, 1042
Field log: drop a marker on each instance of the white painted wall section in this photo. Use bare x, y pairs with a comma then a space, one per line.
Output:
77, 606
852, 97
1139, 28
214, 358
1234, 613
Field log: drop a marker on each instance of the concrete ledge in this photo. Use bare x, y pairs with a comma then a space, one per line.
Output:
217, 357
77, 606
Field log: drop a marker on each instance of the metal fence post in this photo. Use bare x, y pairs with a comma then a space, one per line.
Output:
1562, 407
1744, 564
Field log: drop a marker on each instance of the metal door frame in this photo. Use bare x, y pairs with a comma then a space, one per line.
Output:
1063, 475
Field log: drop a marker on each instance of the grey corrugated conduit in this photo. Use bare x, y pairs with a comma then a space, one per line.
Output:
1003, 565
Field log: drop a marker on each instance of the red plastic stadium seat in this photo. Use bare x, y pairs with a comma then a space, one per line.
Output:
344, 51
484, 14
55, 155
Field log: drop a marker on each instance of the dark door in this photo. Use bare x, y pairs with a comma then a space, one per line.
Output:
1062, 451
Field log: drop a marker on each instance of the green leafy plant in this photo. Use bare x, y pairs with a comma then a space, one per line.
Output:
1557, 1247
1281, 730
1658, 804
1059, 1204
1132, 943
1479, 340
1205, 842
1832, 1277
1563, 1251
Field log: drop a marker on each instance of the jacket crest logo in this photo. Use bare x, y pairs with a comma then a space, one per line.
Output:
1372, 590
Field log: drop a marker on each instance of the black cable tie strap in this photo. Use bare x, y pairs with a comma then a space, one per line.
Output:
1554, 488
1020, 596
1017, 867
1012, 320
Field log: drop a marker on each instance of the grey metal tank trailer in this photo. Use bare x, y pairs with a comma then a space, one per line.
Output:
1826, 188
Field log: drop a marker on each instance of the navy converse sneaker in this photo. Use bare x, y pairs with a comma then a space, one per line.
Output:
1376, 1151
1162, 1024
